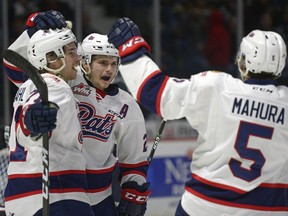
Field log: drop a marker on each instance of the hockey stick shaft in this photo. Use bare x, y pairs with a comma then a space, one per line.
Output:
156, 141
24, 65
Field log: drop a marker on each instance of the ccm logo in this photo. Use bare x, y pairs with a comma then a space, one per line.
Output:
45, 175
136, 198
133, 41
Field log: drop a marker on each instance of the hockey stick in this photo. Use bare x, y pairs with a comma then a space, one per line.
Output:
24, 65
156, 141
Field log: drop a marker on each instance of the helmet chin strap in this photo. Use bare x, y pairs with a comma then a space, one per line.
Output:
56, 71
86, 72
243, 74
115, 75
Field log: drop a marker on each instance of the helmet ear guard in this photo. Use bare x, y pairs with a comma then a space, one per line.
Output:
84, 63
262, 52
44, 42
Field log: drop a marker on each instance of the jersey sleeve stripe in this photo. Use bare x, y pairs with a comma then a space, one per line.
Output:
123, 165
158, 101
150, 91
14, 74
133, 172
144, 82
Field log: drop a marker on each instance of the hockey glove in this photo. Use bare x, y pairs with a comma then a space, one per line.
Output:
126, 37
4, 137
39, 118
44, 20
133, 199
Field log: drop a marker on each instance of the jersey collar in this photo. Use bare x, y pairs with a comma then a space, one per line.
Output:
111, 90
261, 82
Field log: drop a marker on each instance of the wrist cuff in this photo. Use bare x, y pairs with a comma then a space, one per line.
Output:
135, 196
30, 20
132, 45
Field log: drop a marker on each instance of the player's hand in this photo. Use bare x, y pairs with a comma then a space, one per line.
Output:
44, 20
39, 118
126, 36
133, 199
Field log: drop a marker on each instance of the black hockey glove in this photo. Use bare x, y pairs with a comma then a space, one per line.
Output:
126, 37
133, 199
39, 118
44, 20
4, 136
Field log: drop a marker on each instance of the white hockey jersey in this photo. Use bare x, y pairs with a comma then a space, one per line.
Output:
108, 118
240, 163
117, 110
67, 164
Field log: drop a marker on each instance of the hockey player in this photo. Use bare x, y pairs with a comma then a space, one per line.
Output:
109, 115
40, 20
54, 54
239, 166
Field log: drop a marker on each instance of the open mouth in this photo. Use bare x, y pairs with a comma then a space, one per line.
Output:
105, 78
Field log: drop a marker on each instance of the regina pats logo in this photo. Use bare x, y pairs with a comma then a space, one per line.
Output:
81, 89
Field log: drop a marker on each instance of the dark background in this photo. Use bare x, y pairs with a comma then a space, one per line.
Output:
190, 29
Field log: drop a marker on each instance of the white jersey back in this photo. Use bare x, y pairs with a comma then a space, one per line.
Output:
66, 161
107, 119
241, 159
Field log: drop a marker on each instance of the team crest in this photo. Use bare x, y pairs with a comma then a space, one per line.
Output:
81, 89
95, 126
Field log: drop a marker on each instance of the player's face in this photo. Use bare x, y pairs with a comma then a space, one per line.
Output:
72, 60
103, 71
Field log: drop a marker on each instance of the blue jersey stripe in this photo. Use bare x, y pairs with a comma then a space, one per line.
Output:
18, 187
151, 91
99, 180
261, 198
14, 75
140, 170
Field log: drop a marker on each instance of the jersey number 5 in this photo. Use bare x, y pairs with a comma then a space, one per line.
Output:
246, 130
